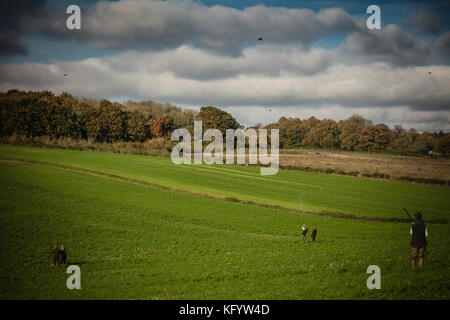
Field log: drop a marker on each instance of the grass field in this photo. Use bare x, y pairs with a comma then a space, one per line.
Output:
137, 230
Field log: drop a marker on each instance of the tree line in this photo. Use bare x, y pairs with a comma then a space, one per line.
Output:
358, 134
42, 113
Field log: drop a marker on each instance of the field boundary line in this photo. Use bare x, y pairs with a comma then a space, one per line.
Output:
210, 196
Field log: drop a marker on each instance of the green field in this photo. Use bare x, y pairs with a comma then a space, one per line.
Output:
141, 227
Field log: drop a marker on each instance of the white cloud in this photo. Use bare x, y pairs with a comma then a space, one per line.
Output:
191, 63
263, 76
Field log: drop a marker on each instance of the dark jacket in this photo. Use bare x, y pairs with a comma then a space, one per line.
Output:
55, 252
418, 238
62, 256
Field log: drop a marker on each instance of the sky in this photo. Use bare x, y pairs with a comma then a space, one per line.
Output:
316, 58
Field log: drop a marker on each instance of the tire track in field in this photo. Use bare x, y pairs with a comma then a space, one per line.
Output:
211, 196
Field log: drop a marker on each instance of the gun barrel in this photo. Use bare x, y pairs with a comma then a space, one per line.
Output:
408, 214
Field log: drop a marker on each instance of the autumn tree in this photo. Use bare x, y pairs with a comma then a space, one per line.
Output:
325, 134
290, 132
159, 127
108, 123
401, 140
215, 118
442, 144
84, 112
37, 113
423, 143
136, 126
177, 117
350, 131
373, 138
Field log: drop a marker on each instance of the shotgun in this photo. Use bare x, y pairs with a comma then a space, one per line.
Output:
408, 214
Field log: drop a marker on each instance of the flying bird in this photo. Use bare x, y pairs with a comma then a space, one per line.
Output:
260, 39
65, 74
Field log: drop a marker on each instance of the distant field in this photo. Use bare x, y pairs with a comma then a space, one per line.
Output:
431, 170
396, 166
137, 241
291, 189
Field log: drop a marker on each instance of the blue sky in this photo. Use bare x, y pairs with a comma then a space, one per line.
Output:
317, 58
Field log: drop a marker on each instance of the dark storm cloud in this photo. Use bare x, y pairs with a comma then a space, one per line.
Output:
424, 23
389, 44
441, 50
134, 24
10, 44
11, 13
161, 25
443, 43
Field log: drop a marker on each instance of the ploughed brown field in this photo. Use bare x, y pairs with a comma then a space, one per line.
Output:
395, 166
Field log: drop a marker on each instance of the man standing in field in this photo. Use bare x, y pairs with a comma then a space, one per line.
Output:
55, 255
419, 234
313, 235
304, 232
62, 255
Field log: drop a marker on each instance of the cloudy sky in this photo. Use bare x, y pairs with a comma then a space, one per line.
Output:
316, 58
